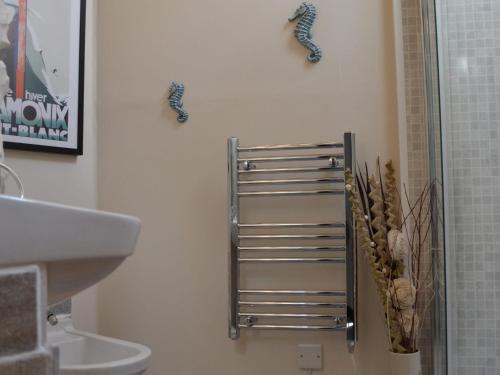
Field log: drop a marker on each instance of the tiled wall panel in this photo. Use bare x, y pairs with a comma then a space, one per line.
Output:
471, 58
22, 310
18, 313
38, 363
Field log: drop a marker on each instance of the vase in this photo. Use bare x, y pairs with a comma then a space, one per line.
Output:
405, 364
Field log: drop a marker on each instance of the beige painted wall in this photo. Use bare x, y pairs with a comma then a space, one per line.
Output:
68, 179
245, 76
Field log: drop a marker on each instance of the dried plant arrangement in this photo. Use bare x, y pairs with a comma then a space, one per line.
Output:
396, 245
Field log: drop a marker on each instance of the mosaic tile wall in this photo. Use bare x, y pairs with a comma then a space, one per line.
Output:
472, 95
415, 95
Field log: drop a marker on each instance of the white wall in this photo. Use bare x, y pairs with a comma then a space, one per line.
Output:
245, 76
68, 179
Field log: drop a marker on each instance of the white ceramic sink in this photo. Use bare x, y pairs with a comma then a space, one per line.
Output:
79, 247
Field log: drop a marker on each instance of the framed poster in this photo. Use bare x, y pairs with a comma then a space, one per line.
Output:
45, 62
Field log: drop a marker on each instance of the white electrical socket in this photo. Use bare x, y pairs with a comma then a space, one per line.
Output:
310, 356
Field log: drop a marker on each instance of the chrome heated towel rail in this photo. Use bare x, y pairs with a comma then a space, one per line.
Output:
251, 175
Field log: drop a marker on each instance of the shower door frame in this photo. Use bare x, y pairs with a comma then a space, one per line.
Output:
451, 306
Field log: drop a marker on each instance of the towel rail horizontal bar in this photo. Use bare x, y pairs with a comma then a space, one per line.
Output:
274, 159
330, 305
334, 293
291, 260
293, 181
302, 146
292, 316
290, 170
290, 193
291, 225
291, 248
292, 237
293, 328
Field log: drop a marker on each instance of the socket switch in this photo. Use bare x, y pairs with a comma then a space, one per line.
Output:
310, 356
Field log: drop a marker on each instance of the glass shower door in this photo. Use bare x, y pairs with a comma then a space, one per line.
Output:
425, 166
462, 69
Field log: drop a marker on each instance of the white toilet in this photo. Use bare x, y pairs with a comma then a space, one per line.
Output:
84, 353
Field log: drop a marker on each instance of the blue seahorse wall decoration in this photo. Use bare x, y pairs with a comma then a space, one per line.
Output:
306, 15
175, 94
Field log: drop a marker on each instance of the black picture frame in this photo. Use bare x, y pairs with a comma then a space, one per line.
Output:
72, 143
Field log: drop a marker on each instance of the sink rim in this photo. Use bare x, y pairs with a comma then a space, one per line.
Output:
14, 198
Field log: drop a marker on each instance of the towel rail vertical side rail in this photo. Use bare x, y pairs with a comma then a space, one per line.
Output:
234, 213
351, 261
